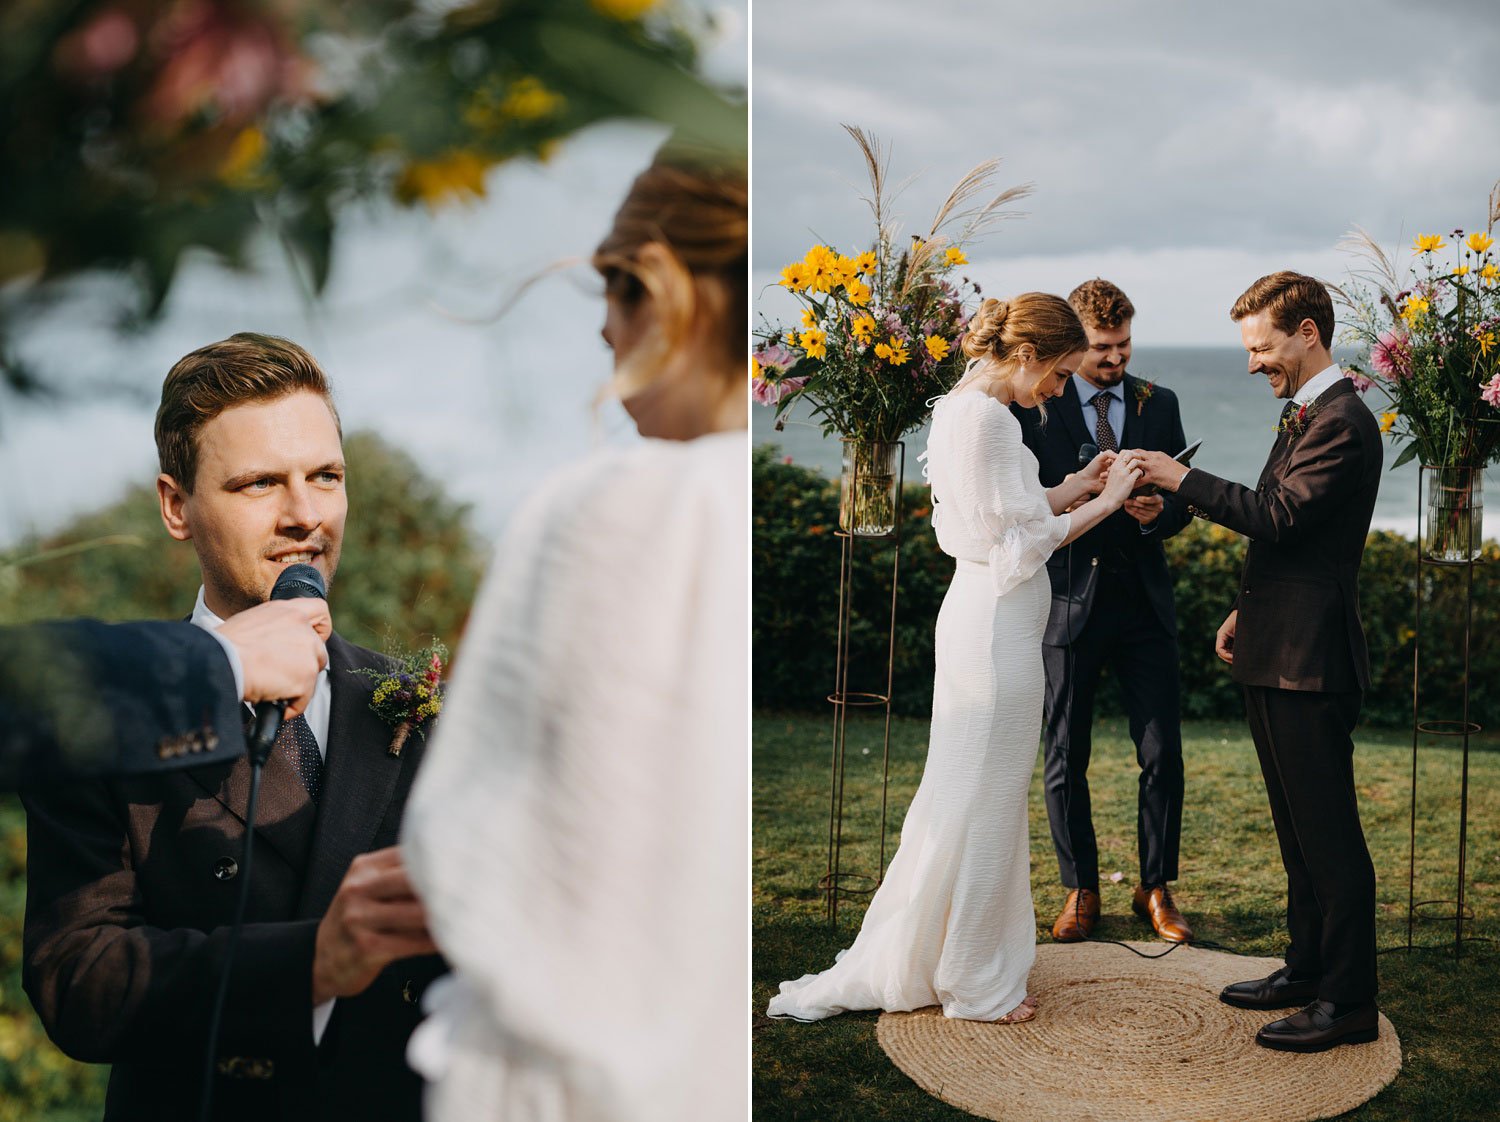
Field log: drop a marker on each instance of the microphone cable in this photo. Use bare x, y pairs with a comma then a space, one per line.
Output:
295, 581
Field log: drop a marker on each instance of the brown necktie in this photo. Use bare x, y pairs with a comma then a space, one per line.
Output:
1103, 433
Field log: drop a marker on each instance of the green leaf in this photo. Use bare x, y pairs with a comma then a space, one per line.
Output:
1407, 454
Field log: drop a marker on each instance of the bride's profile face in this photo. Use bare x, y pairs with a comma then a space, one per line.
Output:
1030, 393
625, 318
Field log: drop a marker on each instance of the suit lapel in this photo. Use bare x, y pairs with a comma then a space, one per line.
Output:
1281, 451
1128, 436
1072, 410
358, 781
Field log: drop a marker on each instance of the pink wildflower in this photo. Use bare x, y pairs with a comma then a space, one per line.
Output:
1491, 391
1392, 355
1361, 383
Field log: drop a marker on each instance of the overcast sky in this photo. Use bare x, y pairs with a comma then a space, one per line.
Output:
1181, 149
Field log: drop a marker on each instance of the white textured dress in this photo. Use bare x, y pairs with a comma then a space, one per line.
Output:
578, 832
952, 923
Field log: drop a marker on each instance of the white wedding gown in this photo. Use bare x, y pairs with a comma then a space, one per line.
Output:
952, 924
578, 832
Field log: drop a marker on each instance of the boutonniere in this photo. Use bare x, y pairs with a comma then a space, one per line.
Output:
408, 694
1295, 423
1142, 393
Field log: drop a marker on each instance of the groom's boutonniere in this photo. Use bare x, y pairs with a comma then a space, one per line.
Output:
1295, 423
1142, 393
409, 693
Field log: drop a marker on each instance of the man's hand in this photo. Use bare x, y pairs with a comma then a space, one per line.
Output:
374, 920
1224, 641
281, 649
1156, 467
1145, 509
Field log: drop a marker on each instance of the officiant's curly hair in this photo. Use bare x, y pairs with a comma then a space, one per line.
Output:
245, 367
1101, 305
695, 204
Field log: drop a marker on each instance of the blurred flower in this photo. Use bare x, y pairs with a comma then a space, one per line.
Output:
863, 328
859, 292
529, 100
808, 319
454, 174
1361, 382
1387, 420
1489, 273
98, 48
1479, 242
767, 391
813, 342
795, 276
1426, 243
1392, 355
1491, 391
865, 262
883, 351
936, 346
243, 165
1461, 271
624, 9
899, 354
955, 256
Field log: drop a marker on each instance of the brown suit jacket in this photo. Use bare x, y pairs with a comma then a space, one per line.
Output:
131, 889
1307, 520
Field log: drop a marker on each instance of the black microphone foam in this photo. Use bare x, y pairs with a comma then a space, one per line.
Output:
296, 582
1086, 454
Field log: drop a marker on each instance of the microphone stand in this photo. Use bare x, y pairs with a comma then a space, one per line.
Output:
262, 739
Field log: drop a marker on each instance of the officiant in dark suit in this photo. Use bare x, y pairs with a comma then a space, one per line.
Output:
1295, 642
1112, 606
132, 883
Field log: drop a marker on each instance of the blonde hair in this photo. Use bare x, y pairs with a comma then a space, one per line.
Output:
1046, 322
695, 205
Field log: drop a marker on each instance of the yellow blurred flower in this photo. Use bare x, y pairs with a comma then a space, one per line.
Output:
754, 367
1479, 242
242, 164
1489, 273
808, 319
865, 262
1461, 271
1387, 420
454, 174
529, 100
882, 350
1426, 243
1486, 340
813, 342
898, 351
863, 328
623, 9
955, 256
858, 291
1414, 307
821, 263
936, 345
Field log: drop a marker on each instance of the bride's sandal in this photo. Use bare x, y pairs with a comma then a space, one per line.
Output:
1021, 1013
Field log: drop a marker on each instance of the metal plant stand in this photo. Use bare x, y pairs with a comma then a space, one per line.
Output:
1463, 727
838, 881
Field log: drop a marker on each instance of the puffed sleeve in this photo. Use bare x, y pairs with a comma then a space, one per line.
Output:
998, 494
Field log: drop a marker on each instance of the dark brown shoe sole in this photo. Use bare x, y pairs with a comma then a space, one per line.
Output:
1358, 1036
1294, 1000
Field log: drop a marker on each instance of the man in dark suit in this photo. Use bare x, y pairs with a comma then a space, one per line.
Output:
1112, 605
85, 699
132, 883
1295, 642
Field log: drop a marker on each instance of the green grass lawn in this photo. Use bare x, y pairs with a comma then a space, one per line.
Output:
1232, 890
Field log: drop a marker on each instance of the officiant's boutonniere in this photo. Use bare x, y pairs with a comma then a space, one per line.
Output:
1295, 424
1142, 393
409, 693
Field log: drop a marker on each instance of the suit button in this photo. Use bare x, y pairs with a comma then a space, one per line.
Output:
226, 868
409, 993
1093, 560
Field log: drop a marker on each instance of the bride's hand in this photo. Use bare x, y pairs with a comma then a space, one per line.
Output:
1096, 474
1123, 478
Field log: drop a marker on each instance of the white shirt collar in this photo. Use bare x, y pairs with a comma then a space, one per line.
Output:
1317, 384
203, 616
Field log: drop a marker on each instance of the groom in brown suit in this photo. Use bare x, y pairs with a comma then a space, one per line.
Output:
1294, 641
132, 884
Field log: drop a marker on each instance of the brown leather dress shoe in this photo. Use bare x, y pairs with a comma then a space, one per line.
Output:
1156, 905
1078, 916
1319, 1027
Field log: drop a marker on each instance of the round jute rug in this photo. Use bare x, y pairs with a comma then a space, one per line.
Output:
1122, 1038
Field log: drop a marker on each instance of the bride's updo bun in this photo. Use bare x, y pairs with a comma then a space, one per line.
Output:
1045, 321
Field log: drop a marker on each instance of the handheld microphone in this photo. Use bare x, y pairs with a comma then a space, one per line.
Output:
296, 582
1086, 454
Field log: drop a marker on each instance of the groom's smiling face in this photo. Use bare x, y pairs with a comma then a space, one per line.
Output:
268, 492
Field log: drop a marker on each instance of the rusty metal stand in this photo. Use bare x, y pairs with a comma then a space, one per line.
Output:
1419, 728
837, 880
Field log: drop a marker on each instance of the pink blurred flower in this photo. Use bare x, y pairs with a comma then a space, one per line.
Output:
767, 392
1392, 355
1491, 391
98, 48
1361, 383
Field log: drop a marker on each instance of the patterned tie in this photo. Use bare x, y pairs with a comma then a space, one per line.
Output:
297, 743
1103, 433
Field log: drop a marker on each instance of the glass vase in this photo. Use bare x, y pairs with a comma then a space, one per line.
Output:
867, 488
1454, 528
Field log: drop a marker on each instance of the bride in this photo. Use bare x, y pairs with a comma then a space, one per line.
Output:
952, 923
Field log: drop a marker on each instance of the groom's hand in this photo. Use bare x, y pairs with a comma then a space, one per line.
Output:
1156, 467
374, 919
1224, 641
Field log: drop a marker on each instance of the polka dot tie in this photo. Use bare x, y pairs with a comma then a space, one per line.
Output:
1102, 432
297, 743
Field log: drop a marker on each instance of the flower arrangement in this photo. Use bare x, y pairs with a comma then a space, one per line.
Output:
1433, 343
881, 332
409, 693
1143, 394
1295, 423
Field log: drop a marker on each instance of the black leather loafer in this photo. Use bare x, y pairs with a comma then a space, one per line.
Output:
1279, 991
1316, 1029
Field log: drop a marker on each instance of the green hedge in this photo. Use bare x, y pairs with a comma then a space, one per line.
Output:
795, 573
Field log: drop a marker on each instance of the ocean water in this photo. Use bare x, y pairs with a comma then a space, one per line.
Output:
1231, 410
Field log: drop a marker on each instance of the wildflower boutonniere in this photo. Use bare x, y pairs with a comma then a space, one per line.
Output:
409, 693
1143, 392
1295, 423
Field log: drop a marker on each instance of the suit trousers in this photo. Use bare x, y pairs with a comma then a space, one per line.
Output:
1307, 758
1124, 633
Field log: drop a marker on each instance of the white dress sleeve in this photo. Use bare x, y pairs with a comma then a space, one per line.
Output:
578, 831
998, 493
